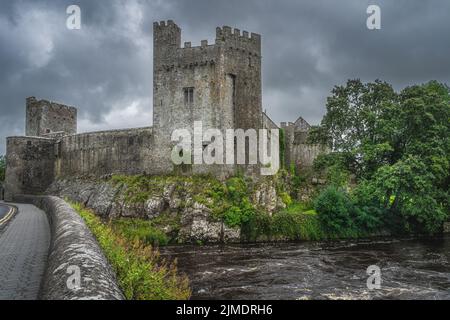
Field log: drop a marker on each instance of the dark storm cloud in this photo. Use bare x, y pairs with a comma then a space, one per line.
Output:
105, 69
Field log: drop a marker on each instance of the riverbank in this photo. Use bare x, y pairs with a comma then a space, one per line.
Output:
197, 209
161, 232
282, 227
162, 210
141, 273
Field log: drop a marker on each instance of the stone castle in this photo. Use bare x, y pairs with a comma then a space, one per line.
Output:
218, 84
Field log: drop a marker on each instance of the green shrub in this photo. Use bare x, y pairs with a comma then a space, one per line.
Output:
286, 198
334, 209
297, 226
311, 228
296, 207
236, 208
236, 189
237, 215
286, 225
368, 218
338, 176
258, 225
142, 230
141, 272
369, 212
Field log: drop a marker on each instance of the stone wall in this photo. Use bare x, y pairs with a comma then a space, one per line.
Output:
128, 151
45, 117
33, 163
73, 247
304, 154
29, 165
297, 151
268, 123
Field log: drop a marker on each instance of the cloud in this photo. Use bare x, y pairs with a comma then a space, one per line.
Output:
105, 69
135, 114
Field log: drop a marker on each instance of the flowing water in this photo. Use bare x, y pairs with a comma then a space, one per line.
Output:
410, 269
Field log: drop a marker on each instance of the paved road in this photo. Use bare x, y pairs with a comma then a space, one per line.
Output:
24, 245
4, 210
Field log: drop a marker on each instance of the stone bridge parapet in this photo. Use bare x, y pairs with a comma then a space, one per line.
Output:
73, 251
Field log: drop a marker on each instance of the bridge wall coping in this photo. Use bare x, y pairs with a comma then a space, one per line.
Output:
73, 249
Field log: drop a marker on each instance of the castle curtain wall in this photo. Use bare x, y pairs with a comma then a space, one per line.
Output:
103, 153
30, 165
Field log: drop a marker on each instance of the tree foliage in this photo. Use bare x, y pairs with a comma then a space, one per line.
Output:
396, 144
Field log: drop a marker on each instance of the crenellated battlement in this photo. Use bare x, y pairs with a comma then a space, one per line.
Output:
203, 44
164, 24
234, 38
167, 40
227, 32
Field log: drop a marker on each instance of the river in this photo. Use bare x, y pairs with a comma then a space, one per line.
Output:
410, 269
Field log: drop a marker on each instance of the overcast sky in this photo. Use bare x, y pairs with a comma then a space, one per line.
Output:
105, 69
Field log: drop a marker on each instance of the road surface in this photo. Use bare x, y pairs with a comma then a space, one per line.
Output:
5, 212
24, 245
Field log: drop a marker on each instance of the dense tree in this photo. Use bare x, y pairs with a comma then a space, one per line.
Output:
396, 144
352, 125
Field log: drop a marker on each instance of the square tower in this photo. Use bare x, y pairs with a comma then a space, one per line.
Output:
218, 84
45, 118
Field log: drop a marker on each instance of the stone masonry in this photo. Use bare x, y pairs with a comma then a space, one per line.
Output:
44, 118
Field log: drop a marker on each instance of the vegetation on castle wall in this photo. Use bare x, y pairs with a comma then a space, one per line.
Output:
137, 189
282, 148
238, 208
141, 272
2, 168
229, 201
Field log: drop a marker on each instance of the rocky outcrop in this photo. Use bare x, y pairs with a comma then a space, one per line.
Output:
265, 196
447, 227
97, 195
176, 199
77, 268
109, 200
197, 224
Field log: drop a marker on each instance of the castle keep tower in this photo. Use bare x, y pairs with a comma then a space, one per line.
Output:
45, 118
218, 84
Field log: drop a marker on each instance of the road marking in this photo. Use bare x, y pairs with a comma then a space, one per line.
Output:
8, 216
